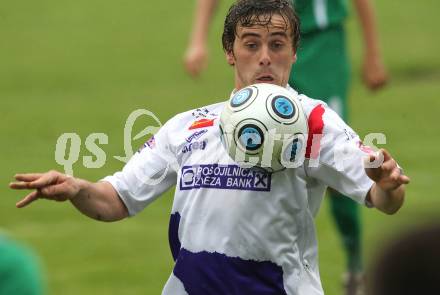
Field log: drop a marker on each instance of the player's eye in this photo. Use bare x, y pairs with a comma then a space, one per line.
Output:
251, 45
277, 45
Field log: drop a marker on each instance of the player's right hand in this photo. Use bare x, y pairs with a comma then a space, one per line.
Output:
51, 185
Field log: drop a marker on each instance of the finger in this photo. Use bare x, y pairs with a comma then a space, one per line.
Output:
27, 176
19, 185
398, 177
390, 166
386, 154
44, 180
403, 179
27, 200
394, 176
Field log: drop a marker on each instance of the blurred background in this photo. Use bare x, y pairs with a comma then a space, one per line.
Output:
84, 66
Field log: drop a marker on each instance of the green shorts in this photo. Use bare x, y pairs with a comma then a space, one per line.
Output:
322, 68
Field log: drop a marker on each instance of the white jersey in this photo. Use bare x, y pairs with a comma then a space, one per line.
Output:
240, 231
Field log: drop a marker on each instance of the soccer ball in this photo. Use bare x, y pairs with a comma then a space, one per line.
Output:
264, 125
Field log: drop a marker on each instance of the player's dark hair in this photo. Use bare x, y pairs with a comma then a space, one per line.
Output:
248, 13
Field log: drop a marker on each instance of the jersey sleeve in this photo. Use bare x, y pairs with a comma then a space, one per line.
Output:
335, 154
148, 174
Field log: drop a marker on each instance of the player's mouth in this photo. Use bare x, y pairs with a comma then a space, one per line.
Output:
265, 79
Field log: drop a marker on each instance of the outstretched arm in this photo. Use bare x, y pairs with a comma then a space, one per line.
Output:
388, 192
374, 73
98, 200
195, 58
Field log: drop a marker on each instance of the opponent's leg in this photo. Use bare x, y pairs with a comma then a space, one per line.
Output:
347, 219
322, 72
346, 215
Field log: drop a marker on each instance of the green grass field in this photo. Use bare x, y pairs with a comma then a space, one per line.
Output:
84, 66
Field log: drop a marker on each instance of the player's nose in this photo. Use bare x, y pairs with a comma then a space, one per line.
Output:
265, 59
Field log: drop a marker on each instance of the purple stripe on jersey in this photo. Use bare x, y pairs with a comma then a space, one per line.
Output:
173, 234
217, 274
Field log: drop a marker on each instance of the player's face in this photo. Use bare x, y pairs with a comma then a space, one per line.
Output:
262, 54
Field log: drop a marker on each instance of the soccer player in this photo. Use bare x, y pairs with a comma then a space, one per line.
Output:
322, 72
235, 230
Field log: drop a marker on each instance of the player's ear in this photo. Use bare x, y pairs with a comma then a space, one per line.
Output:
294, 58
230, 58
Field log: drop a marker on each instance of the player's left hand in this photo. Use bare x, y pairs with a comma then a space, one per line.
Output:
388, 175
374, 73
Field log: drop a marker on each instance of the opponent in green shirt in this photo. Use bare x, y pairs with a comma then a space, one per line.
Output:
20, 273
322, 72
320, 14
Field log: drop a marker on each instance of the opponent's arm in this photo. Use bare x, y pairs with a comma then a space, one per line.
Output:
196, 53
98, 200
374, 73
388, 191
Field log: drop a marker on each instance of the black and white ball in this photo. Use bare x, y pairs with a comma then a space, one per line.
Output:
264, 125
